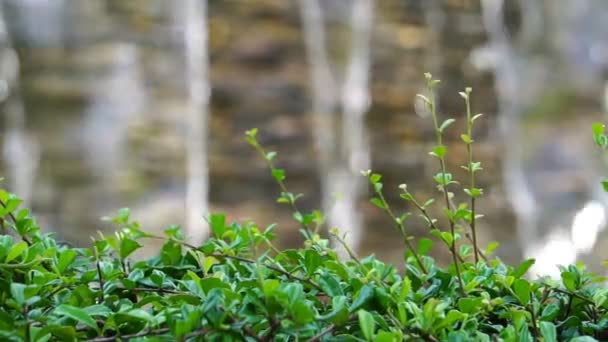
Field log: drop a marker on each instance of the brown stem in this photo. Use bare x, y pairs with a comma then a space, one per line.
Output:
322, 333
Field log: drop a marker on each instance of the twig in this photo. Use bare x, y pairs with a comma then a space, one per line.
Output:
322, 333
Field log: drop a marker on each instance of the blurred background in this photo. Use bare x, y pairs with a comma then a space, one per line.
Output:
143, 103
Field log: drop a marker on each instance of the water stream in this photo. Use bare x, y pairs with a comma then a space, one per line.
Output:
197, 187
557, 222
20, 152
343, 150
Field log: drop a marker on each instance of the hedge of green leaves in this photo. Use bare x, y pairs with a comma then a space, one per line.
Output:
238, 286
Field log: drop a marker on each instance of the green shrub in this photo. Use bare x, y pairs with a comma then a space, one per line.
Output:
238, 286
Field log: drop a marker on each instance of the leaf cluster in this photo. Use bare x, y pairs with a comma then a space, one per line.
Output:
237, 286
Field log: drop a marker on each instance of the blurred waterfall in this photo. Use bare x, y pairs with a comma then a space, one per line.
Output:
118, 100
197, 188
343, 151
21, 152
539, 74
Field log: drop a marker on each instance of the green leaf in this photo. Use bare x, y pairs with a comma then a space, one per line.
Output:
466, 138
127, 247
605, 185
521, 287
385, 336
303, 312
378, 202
76, 314
330, 285
18, 293
570, 280
15, 251
439, 151
278, 174
550, 312
548, 331
469, 304
366, 294
375, 178
271, 155
367, 324
312, 261
583, 339
476, 116
522, 268
598, 128
424, 246
446, 124
218, 224
11, 205
65, 259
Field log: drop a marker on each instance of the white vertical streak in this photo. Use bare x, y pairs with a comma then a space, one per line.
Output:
355, 103
197, 190
20, 151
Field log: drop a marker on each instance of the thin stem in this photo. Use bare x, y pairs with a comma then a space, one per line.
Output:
401, 228
430, 221
471, 172
444, 186
322, 333
99, 275
282, 185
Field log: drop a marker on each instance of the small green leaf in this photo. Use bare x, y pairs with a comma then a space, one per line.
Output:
76, 314
218, 224
278, 174
570, 280
127, 247
366, 294
312, 261
378, 202
424, 246
15, 251
446, 124
367, 324
18, 293
521, 287
375, 178
271, 155
598, 128
303, 312
466, 138
522, 268
605, 185
548, 331
439, 151
65, 259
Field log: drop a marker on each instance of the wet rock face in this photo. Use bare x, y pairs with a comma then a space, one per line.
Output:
104, 90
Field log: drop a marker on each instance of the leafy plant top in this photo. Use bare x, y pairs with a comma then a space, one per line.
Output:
237, 286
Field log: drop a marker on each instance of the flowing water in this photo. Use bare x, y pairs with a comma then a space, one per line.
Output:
553, 56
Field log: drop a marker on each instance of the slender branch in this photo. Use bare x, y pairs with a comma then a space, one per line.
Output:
401, 228
322, 333
444, 186
430, 221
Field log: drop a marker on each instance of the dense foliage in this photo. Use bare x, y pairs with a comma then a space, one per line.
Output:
238, 286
